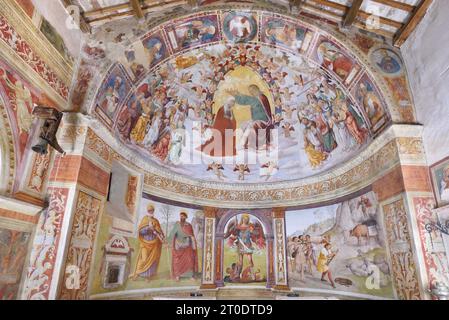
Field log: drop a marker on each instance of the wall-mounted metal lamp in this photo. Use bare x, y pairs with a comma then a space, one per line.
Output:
48, 125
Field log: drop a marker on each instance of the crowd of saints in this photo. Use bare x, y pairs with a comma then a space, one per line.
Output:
235, 100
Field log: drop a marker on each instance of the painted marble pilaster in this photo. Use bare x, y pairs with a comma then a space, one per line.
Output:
428, 241
279, 248
208, 279
60, 224
39, 276
79, 258
443, 218
399, 240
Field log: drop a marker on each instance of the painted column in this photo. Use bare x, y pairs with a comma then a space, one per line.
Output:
208, 278
420, 200
279, 251
407, 203
219, 259
77, 187
400, 248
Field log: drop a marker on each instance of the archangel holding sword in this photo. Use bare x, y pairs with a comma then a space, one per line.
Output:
247, 237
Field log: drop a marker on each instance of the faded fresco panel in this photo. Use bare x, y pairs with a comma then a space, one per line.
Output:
339, 248
13, 251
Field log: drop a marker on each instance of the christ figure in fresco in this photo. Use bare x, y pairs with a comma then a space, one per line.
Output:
150, 238
261, 117
184, 249
223, 142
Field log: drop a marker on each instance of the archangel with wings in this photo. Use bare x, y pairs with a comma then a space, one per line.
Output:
247, 237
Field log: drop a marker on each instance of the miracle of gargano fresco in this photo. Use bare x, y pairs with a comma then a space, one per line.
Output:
341, 246
241, 111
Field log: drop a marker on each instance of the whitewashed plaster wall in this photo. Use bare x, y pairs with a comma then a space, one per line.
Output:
426, 56
57, 15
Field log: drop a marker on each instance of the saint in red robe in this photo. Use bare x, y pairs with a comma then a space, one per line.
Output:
184, 251
223, 135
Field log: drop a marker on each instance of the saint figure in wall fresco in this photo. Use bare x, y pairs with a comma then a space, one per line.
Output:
445, 185
24, 102
371, 103
150, 238
247, 237
224, 133
184, 249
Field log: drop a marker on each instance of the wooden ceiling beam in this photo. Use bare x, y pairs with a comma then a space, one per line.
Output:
352, 13
349, 15
120, 11
317, 11
397, 5
83, 24
416, 16
137, 8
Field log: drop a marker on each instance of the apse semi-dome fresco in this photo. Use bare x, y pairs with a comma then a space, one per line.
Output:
242, 97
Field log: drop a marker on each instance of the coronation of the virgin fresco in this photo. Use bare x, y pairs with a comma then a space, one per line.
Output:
263, 101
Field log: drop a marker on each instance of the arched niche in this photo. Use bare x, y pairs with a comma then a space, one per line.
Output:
225, 216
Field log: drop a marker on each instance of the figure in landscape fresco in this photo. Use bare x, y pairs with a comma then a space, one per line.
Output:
13, 251
247, 237
340, 247
151, 238
184, 250
324, 260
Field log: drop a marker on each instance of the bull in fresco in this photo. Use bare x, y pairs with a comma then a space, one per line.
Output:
365, 230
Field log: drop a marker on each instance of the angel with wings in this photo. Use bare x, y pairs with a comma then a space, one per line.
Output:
23, 102
246, 236
242, 169
218, 169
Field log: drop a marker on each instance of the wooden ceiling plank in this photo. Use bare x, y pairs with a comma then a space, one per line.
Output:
416, 16
352, 13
